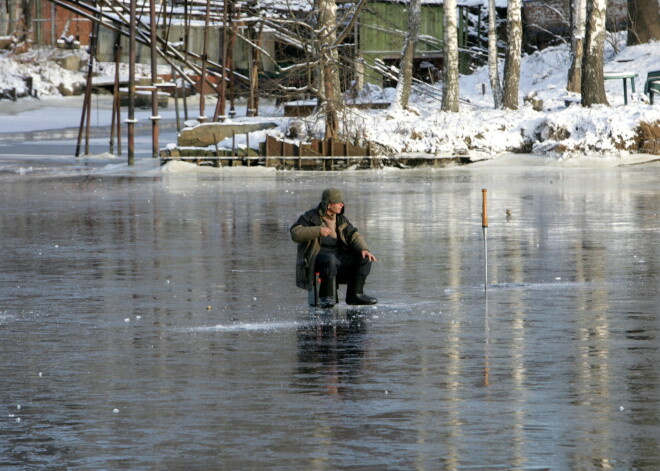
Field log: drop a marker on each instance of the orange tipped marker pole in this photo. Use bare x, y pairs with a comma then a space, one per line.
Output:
484, 225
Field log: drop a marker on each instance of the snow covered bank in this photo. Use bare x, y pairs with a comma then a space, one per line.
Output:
561, 128
553, 126
49, 78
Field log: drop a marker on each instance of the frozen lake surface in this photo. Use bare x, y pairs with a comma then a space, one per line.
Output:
150, 321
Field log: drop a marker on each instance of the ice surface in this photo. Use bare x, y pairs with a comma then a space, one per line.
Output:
439, 374
228, 365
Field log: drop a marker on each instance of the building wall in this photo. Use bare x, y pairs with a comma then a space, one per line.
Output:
52, 22
378, 41
380, 20
107, 39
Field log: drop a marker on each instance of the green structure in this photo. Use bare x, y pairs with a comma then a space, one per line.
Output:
382, 28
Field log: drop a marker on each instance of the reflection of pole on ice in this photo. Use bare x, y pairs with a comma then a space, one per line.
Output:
484, 225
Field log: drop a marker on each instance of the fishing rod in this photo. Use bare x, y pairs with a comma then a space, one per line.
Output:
484, 225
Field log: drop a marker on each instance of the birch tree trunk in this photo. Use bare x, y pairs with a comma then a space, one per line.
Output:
450, 69
493, 61
643, 22
578, 17
593, 85
513, 53
408, 54
330, 88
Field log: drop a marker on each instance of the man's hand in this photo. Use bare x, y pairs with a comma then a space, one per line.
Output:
325, 231
369, 255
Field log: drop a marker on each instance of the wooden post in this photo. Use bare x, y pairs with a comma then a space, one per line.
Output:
247, 147
217, 151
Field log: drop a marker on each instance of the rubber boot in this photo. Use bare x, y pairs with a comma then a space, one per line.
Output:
327, 293
355, 292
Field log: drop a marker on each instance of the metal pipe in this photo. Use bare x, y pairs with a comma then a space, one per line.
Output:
202, 116
131, 87
88, 94
176, 101
154, 77
230, 60
116, 102
186, 41
219, 114
92, 53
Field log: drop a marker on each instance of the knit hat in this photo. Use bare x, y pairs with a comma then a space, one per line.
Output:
332, 195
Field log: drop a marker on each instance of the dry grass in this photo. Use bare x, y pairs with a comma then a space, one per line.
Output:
648, 137
649, 130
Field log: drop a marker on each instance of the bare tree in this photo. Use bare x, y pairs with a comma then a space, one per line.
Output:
513, 53
312, 33
329, 86
404, 83
643, 21
450, 69
493, 61
593, 85
578, 17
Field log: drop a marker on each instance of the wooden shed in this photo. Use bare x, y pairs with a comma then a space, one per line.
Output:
381, 33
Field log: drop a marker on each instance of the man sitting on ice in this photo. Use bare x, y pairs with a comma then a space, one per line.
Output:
330, 245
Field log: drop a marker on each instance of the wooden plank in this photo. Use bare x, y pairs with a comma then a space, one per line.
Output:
273, 147
337, 148
318, 146
306, 150
289, 149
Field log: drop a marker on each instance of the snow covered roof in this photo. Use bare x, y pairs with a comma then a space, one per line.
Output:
306, 4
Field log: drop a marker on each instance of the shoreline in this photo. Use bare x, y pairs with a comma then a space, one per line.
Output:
57, 119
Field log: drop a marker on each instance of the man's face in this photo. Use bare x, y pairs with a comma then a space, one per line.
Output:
335, 208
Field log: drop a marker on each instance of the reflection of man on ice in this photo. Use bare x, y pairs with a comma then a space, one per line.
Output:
330, 245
